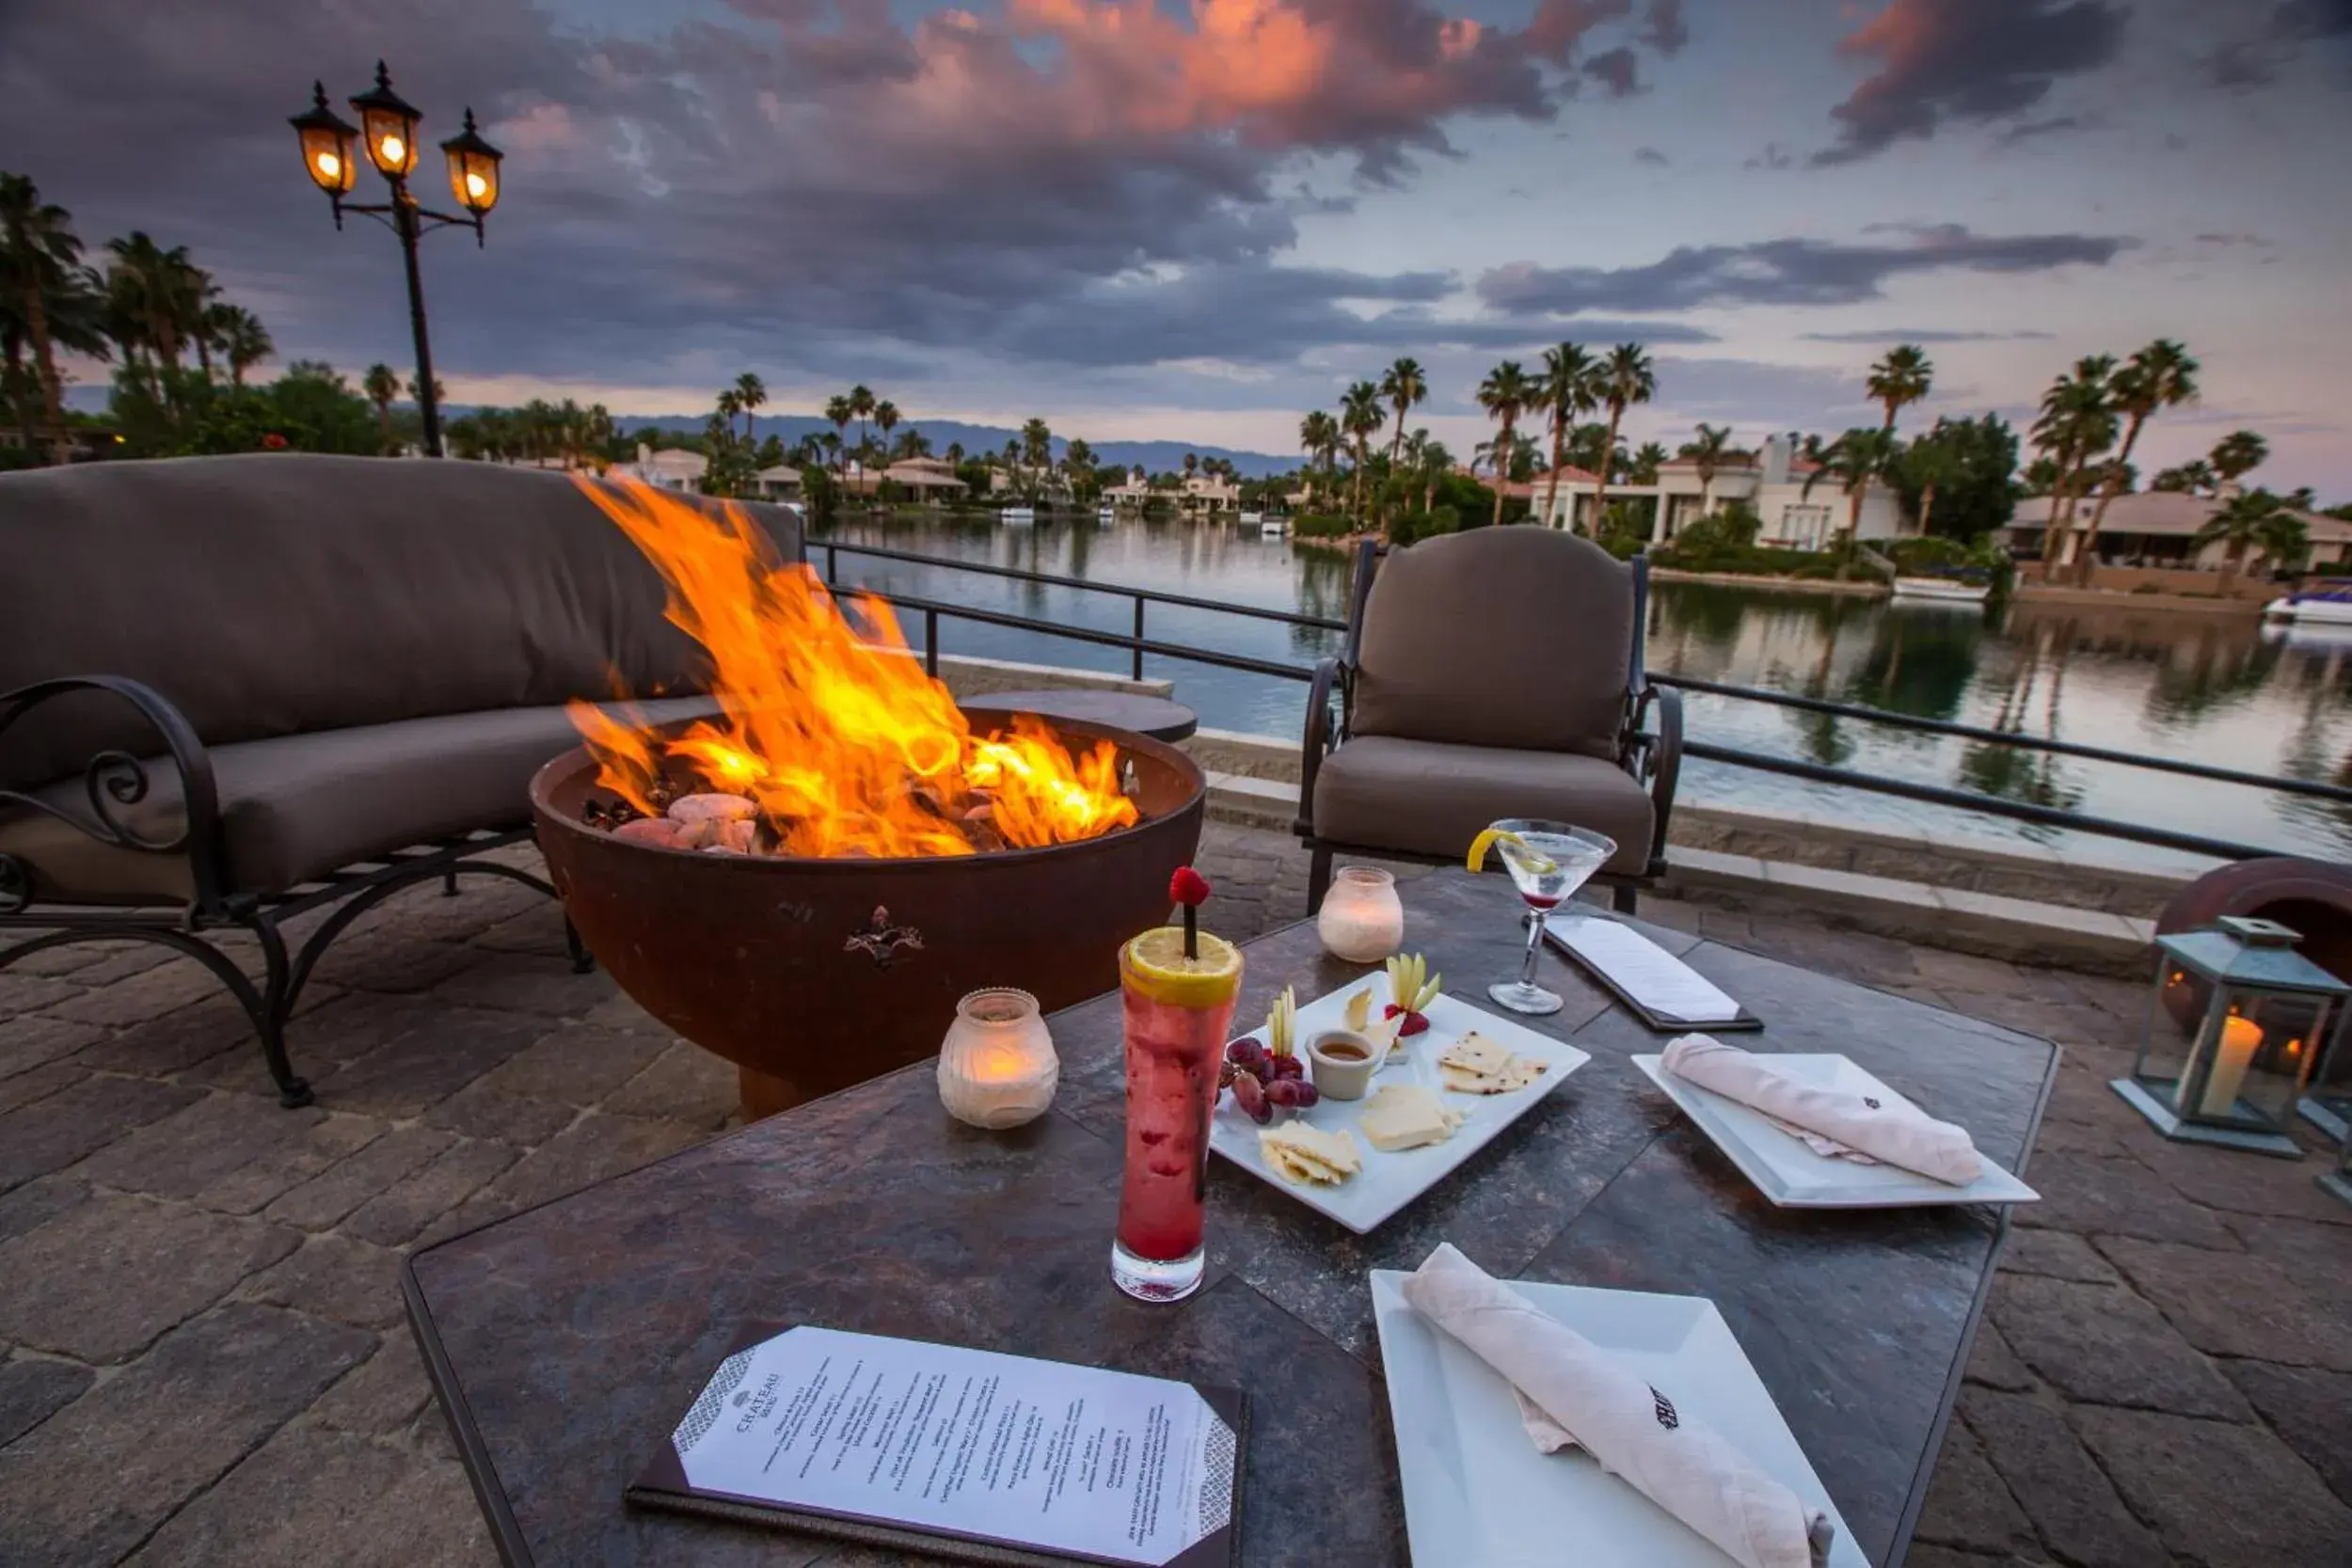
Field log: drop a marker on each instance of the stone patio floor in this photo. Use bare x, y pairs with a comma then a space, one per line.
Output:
202, 1359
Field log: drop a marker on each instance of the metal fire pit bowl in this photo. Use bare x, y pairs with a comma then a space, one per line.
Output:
814, 975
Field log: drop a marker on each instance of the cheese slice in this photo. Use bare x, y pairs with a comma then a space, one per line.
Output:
1301, 1153
1405, 1116
1386, 1036
1476, 1064
1508, 1082
1475, 1053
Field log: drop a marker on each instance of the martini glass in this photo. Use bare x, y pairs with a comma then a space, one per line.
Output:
1548, 862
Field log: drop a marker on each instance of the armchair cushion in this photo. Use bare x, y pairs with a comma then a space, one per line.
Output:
1514, 637
296, 807
1426, 798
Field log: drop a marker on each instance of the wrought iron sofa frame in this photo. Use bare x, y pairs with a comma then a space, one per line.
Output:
115, 779
1651, 755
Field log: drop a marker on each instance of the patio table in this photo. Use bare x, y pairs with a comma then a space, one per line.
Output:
564, 1341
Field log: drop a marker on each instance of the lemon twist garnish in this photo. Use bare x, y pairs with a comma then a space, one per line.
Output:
1538, 863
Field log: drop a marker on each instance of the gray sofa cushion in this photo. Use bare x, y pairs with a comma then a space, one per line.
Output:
282, 593
1427, 798
296, 807
1516, 636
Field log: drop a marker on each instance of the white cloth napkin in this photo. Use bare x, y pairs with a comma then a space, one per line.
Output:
1631, 1429
1831, 1121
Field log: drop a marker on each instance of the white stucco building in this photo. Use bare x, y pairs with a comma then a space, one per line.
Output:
669, 470
1772, 482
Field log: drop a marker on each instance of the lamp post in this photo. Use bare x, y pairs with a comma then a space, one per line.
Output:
389, 125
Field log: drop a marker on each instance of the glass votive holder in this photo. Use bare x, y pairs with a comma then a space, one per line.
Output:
1362, 920
997, 1068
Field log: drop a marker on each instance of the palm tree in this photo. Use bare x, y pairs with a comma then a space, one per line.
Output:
1854, 460
1435, 463
1626, 377
838, 413
1192, 464
37, 249
1504, 394
380, 385
1319, 436
885, 418
1570, 385
862, 406
2254, 519
2162, 376
1404, 385
155, 283
1036, 443
2196, 477
1077, 460
1900, 379
1646, 463
1362, 415
1929, 462
2077, 424
955, 454
1706, 453
750, 393
2236, 455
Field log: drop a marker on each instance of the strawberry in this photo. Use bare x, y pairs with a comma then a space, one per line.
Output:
1189, 887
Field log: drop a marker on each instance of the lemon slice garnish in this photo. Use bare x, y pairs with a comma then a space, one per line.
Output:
1156, 964
1538, 863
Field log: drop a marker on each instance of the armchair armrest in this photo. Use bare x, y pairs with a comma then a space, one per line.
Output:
113, 778
1322, 734
1656, 755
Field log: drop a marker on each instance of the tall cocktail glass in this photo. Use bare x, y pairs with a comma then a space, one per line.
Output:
1177, 1011
1548, 862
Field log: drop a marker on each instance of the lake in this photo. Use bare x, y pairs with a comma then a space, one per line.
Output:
2194, 687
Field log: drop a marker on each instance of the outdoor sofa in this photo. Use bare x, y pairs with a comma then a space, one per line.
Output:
1490, 673
237, 690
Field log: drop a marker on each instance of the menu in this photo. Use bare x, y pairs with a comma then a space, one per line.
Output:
1668, 993
819, 1424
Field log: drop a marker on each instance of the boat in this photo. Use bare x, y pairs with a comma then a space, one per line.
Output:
1106, 514
1271, 527
1952, 590
1018, 516
2327, 603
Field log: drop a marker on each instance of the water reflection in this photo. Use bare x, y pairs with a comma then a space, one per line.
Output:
2200, 686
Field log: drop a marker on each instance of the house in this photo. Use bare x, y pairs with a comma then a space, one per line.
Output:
2153, 528
1136, 491
925, 478
669, 470
1210, 493
779, 484
1772, 482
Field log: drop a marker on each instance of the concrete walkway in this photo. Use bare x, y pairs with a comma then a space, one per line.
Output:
202, 1361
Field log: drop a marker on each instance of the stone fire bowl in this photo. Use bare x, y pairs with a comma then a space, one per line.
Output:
814, 975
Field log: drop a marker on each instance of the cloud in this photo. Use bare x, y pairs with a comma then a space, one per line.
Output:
1617, 70
1923, 335
1787, 272
819, 187
2254, 242
2032, 129
1663, 27
2257, 60
1651, 156
1773, 156
1964, 61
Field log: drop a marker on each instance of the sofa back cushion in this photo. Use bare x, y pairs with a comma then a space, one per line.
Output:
279, 594
1516, 637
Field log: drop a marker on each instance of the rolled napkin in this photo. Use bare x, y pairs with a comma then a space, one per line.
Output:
1635, 1431
1831, 1121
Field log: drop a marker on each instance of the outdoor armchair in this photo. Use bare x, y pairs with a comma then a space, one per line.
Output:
1490, 674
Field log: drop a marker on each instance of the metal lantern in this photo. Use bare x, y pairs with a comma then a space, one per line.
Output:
2339, 1180
2236, 1023
473, 169
327, 139
2327, 1103
389, 122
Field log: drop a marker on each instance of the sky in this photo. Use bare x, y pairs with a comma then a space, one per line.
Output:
1198, 221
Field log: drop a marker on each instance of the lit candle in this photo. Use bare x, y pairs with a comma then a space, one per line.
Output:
998, 1067
2240, 1038
1362, 920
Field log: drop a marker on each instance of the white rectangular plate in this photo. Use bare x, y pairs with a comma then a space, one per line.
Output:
1791, 1175
1390, 1182
1477, 1494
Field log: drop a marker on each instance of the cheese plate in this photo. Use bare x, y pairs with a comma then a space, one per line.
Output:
1479, 1495
1386, 1181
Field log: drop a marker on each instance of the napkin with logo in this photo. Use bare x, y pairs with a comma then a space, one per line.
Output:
1631, 1429
1831, 1121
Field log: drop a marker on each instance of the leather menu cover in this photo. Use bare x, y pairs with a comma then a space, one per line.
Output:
663, 1484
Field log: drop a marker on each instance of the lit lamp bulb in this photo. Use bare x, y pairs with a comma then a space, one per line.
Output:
395, 151
330, 168
477, 186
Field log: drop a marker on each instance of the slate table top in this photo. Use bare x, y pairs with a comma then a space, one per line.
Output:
564, 1341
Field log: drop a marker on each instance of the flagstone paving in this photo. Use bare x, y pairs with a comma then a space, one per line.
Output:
201, 1357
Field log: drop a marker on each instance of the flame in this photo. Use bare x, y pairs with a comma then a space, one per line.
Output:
829, 722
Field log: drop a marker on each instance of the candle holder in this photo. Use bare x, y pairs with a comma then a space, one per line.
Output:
1362, 920
997, 1068
2236, 1023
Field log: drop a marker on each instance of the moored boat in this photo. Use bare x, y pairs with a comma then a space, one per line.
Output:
2327, 603
1941, 590
1018, 516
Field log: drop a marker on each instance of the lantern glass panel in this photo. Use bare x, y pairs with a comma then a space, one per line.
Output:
326, 157
473, 180
391, 140
2239, 1060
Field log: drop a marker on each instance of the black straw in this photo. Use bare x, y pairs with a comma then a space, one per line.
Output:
1192, 932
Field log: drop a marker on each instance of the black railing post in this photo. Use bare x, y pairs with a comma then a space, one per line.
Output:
833, 566
931, 642
1138, 636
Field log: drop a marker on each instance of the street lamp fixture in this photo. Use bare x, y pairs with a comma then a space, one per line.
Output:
387, 129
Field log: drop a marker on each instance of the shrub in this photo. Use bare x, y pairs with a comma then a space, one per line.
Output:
1322, 525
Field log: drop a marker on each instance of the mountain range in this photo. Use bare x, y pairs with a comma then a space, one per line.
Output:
977, 439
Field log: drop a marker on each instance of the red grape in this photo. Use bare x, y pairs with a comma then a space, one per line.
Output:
1308, 1094
1251, 1096
1284, 1091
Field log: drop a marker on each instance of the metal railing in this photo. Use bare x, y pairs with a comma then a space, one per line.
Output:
1961, 800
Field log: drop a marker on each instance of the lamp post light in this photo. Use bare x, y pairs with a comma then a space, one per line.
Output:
387, 128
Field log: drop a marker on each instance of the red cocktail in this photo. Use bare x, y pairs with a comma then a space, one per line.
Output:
1177, 1009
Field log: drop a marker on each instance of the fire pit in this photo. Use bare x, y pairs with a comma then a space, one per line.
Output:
806, 884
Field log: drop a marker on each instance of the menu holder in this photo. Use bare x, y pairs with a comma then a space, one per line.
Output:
1667, 994
990, 1444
